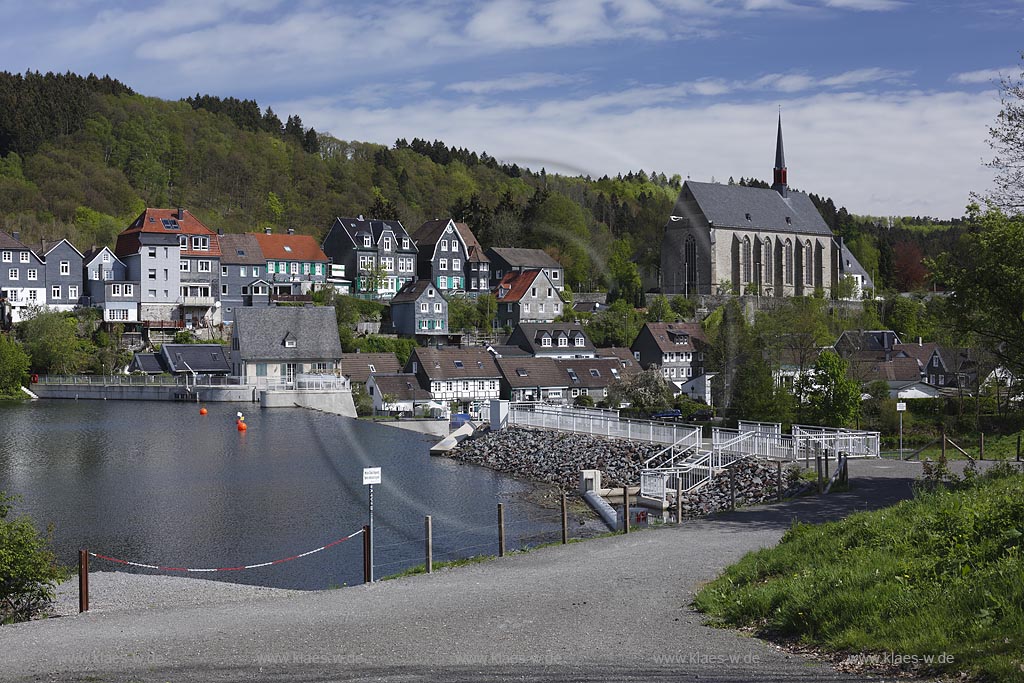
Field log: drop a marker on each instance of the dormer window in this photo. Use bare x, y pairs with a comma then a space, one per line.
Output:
546, 342
289, 343
387, 243
405, 243
563, 341
579, 340
367, 241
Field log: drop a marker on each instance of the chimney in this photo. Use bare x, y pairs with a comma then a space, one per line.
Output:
16, 235
181, 214
360, 216
291, 231
220, 232
266, 231
919, 342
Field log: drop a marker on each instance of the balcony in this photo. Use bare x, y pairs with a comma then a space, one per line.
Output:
198, 301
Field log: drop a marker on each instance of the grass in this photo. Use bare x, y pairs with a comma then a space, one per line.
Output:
422, 568
942, 574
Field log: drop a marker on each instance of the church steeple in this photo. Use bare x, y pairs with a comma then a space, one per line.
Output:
779, 183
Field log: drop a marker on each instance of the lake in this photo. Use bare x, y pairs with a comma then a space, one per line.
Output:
160, 484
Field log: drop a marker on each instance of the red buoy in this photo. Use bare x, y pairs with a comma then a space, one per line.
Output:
241, 425
202, 411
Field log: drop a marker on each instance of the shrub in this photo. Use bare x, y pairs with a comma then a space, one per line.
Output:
28, 569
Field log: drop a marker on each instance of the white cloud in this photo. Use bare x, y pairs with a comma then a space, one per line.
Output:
917, 153
866, 5
517, 83
984, 75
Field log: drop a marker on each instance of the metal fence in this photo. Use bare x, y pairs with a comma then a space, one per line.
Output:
301, 382
586, 422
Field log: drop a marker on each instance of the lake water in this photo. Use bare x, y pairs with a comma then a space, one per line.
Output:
159, 484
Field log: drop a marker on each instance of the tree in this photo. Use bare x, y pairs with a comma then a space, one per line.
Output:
51, 340
832, 397
13, 366
625, 276
909, 266
755, 395
660, 310
985, 275
1006, 138
461, 313
29, 571
646, 390
486, 310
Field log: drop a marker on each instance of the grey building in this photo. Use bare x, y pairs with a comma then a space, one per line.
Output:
677, 349
274, 345
379, 257
451, 256
516, 260
747, 240
22, 279
63, 267
357, 367
590, 376
552, 340
468, 377
242, 273
420, 311
533, 379
526, 296
184, 359
107, 287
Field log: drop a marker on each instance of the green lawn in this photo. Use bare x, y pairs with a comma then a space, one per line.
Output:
940, 575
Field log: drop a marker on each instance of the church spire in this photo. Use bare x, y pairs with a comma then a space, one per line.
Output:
779, 183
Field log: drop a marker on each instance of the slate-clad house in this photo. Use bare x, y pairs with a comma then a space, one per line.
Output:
107, 287
590, 376
527, 296
467, 376
554, 340
357, 367
379, 256
505, 260
533, 379
63, 268
275, 345
396, 392
451, 256
295, 263
420, 310
771, 242
677, 349
22, 278
242, 270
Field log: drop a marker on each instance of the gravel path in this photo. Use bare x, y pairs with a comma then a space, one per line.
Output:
611, 609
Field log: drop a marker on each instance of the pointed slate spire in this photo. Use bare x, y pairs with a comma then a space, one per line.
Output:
779, 183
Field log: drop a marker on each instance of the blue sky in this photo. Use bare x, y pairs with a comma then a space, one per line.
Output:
885, 103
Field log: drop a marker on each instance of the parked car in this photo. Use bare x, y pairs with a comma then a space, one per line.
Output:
671, 414
702, 415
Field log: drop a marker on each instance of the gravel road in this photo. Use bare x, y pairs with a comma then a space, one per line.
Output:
612, 609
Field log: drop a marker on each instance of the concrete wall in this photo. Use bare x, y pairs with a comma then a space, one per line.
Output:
335, 402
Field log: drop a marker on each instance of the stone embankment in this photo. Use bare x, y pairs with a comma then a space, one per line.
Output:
557, 458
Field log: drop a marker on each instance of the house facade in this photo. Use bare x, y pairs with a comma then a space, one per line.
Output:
107, 287
515, 260
379, 257
552, 340
747, 240
420, 310
63, 268
274, 345
295, 264
357, 367
527, 296
533, 380
590, 376
22, 278
676, 349
242, 270
451, 256
396, 393
468, 377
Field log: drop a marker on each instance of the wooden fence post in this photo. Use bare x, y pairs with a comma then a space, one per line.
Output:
501, 530
943, 441
1018, 447
565, 521
732, 488
981, 446
625, 509
83, 581
821, 484
679, 499
428, 535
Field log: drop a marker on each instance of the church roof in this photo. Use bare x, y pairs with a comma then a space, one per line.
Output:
728, 206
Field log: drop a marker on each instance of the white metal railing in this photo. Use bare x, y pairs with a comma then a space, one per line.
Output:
853, 443
568, 420
579, 410
302, 382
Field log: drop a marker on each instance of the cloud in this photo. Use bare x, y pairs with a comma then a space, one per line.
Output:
866, 5
517, 83
983, 75
873, 153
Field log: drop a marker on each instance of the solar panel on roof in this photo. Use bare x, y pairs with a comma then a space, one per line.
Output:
170, 224
240, 252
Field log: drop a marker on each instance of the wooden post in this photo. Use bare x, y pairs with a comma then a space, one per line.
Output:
821, 484
565, 520
501, 530
1018, 447
943, 441
732, 488
778, 479
679, 499
83, 581
626, 509
428, 536
981, 446
826, 465
846, 470
367, 569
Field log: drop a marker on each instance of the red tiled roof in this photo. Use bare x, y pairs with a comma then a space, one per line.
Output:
302, 247
152, 221
517, 283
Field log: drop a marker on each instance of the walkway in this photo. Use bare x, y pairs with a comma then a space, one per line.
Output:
613, 609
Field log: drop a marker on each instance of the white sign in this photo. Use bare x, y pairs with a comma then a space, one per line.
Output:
901, 407
371, 475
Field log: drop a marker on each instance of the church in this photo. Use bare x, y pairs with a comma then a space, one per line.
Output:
724, 239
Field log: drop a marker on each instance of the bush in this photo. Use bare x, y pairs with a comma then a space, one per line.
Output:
29, 571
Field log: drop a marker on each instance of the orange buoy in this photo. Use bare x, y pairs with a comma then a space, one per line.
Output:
242, 426
202, 411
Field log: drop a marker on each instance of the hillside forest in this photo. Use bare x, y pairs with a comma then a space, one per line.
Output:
82, 156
